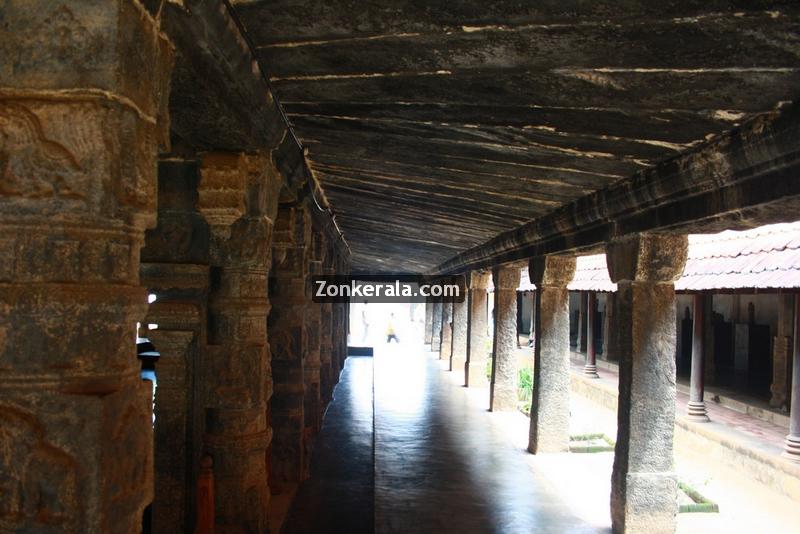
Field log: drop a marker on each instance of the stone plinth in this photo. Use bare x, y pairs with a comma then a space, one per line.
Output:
503, 393
549, 430
644, 486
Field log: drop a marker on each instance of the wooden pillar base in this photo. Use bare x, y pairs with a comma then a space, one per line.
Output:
696, 412
791, 448
590, 371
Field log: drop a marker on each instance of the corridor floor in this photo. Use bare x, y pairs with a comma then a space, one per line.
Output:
439, 466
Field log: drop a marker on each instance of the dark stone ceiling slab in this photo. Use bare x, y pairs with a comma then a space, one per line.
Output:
432, 126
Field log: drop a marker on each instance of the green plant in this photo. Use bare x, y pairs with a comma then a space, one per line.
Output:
525, 384
489, 369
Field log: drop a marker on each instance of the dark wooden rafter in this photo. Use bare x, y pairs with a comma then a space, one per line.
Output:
742, 179
486, 115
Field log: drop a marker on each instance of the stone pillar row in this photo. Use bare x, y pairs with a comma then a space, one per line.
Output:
81, 184
644, 267
175, 266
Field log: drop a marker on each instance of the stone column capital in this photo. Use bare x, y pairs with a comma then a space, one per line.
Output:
647, 257
478, 279
551, 271
506, 276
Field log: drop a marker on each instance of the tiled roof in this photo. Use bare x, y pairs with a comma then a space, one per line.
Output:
591, 274
767, 257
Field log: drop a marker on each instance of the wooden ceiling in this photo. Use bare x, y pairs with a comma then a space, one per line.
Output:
433, 126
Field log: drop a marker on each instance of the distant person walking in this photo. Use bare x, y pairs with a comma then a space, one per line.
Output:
365, 323
390, 333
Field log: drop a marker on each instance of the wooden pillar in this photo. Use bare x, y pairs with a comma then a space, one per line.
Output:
590, 368
696, 409
582, 323
782, 352
792, 444
532, 328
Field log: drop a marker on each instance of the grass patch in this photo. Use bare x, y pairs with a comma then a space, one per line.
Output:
699, 504
589, 443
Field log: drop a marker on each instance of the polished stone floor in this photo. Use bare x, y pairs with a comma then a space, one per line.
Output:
338, 498
439, 466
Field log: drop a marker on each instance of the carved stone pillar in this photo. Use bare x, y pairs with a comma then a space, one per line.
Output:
428, 322
446, 347
312, 364
643, 484
436, 334
458, 360
287, 324
477, 310
327, 372
238, 198
83, 92
175, 268
549, 430
503, 394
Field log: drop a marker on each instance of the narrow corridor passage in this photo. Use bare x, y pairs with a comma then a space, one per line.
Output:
439, 464
339, 495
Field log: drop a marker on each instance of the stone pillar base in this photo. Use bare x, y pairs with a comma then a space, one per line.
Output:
696, 412
477, 375
642, 512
